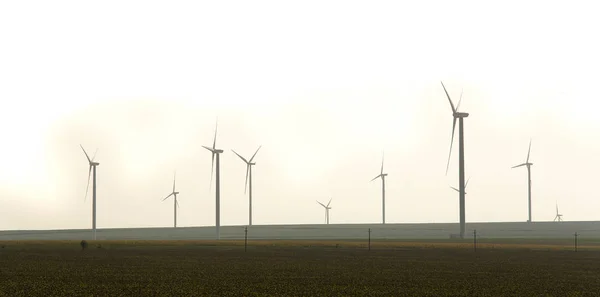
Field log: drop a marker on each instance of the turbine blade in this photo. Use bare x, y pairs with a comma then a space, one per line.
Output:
382, 155
167, 197
255, 153
528, 151
215, 139
455, 189
86, 155
449, 100
177, 202
174, 174
459, 100
467, 182
243, 159
451, 142
94, 157
246, 183
88, 183
376, 177
329, 202
519, 165
557, 208
208, 148
321, 204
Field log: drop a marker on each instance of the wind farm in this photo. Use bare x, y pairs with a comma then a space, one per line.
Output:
401, 229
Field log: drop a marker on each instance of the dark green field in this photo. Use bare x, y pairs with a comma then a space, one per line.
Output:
295, 269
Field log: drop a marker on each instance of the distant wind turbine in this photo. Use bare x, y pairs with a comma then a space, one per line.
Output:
455, 189
558, 216
382, 175
249, 165
528, 164
327, 208
461, 156
216, 152
175, 203
93, 165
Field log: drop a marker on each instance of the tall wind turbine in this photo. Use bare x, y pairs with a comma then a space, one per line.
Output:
528, 164
455, 189
461, 156
327, 208
92, 166
382, 175
249, 165
558, 216
175, 203
216, 152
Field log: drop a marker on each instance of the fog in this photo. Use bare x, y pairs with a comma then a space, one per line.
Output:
325, 87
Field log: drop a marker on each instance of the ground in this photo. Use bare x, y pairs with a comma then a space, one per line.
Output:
299, 268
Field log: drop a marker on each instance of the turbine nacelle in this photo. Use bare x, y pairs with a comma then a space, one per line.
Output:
461, 114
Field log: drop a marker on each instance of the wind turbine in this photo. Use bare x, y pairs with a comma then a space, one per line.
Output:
528, 164
327, 208
249, 165
382, 175
92, 165
558, 216
455, 189
461, 156
175, 203
216, 152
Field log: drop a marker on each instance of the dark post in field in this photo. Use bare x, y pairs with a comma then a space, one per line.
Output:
475, 240
369, 239
576, 240
245, 238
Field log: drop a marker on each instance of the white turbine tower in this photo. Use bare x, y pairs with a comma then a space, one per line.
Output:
327, 208
249, 165
93, 165
216, 152
175, 203
382, 176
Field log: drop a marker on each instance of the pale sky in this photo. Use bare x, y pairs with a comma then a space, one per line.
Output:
323, 86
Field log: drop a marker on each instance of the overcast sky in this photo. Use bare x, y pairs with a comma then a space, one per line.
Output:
324, 86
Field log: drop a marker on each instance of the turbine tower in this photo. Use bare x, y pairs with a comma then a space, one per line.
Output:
558, 216
92, 166
528, 164
175, 203
461, 156
216, 152
249, 165
382, 175
327, 208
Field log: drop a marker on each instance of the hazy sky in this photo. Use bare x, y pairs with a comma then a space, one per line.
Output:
324, 86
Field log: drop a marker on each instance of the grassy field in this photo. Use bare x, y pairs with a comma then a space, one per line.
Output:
300, 268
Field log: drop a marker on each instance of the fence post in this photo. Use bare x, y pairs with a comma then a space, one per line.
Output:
369, 239
576, 241
475, 240
245, 238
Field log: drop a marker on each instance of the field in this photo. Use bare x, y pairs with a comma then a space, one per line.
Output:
324, 232
300, 268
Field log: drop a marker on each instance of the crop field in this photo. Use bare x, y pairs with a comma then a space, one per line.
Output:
300, 268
